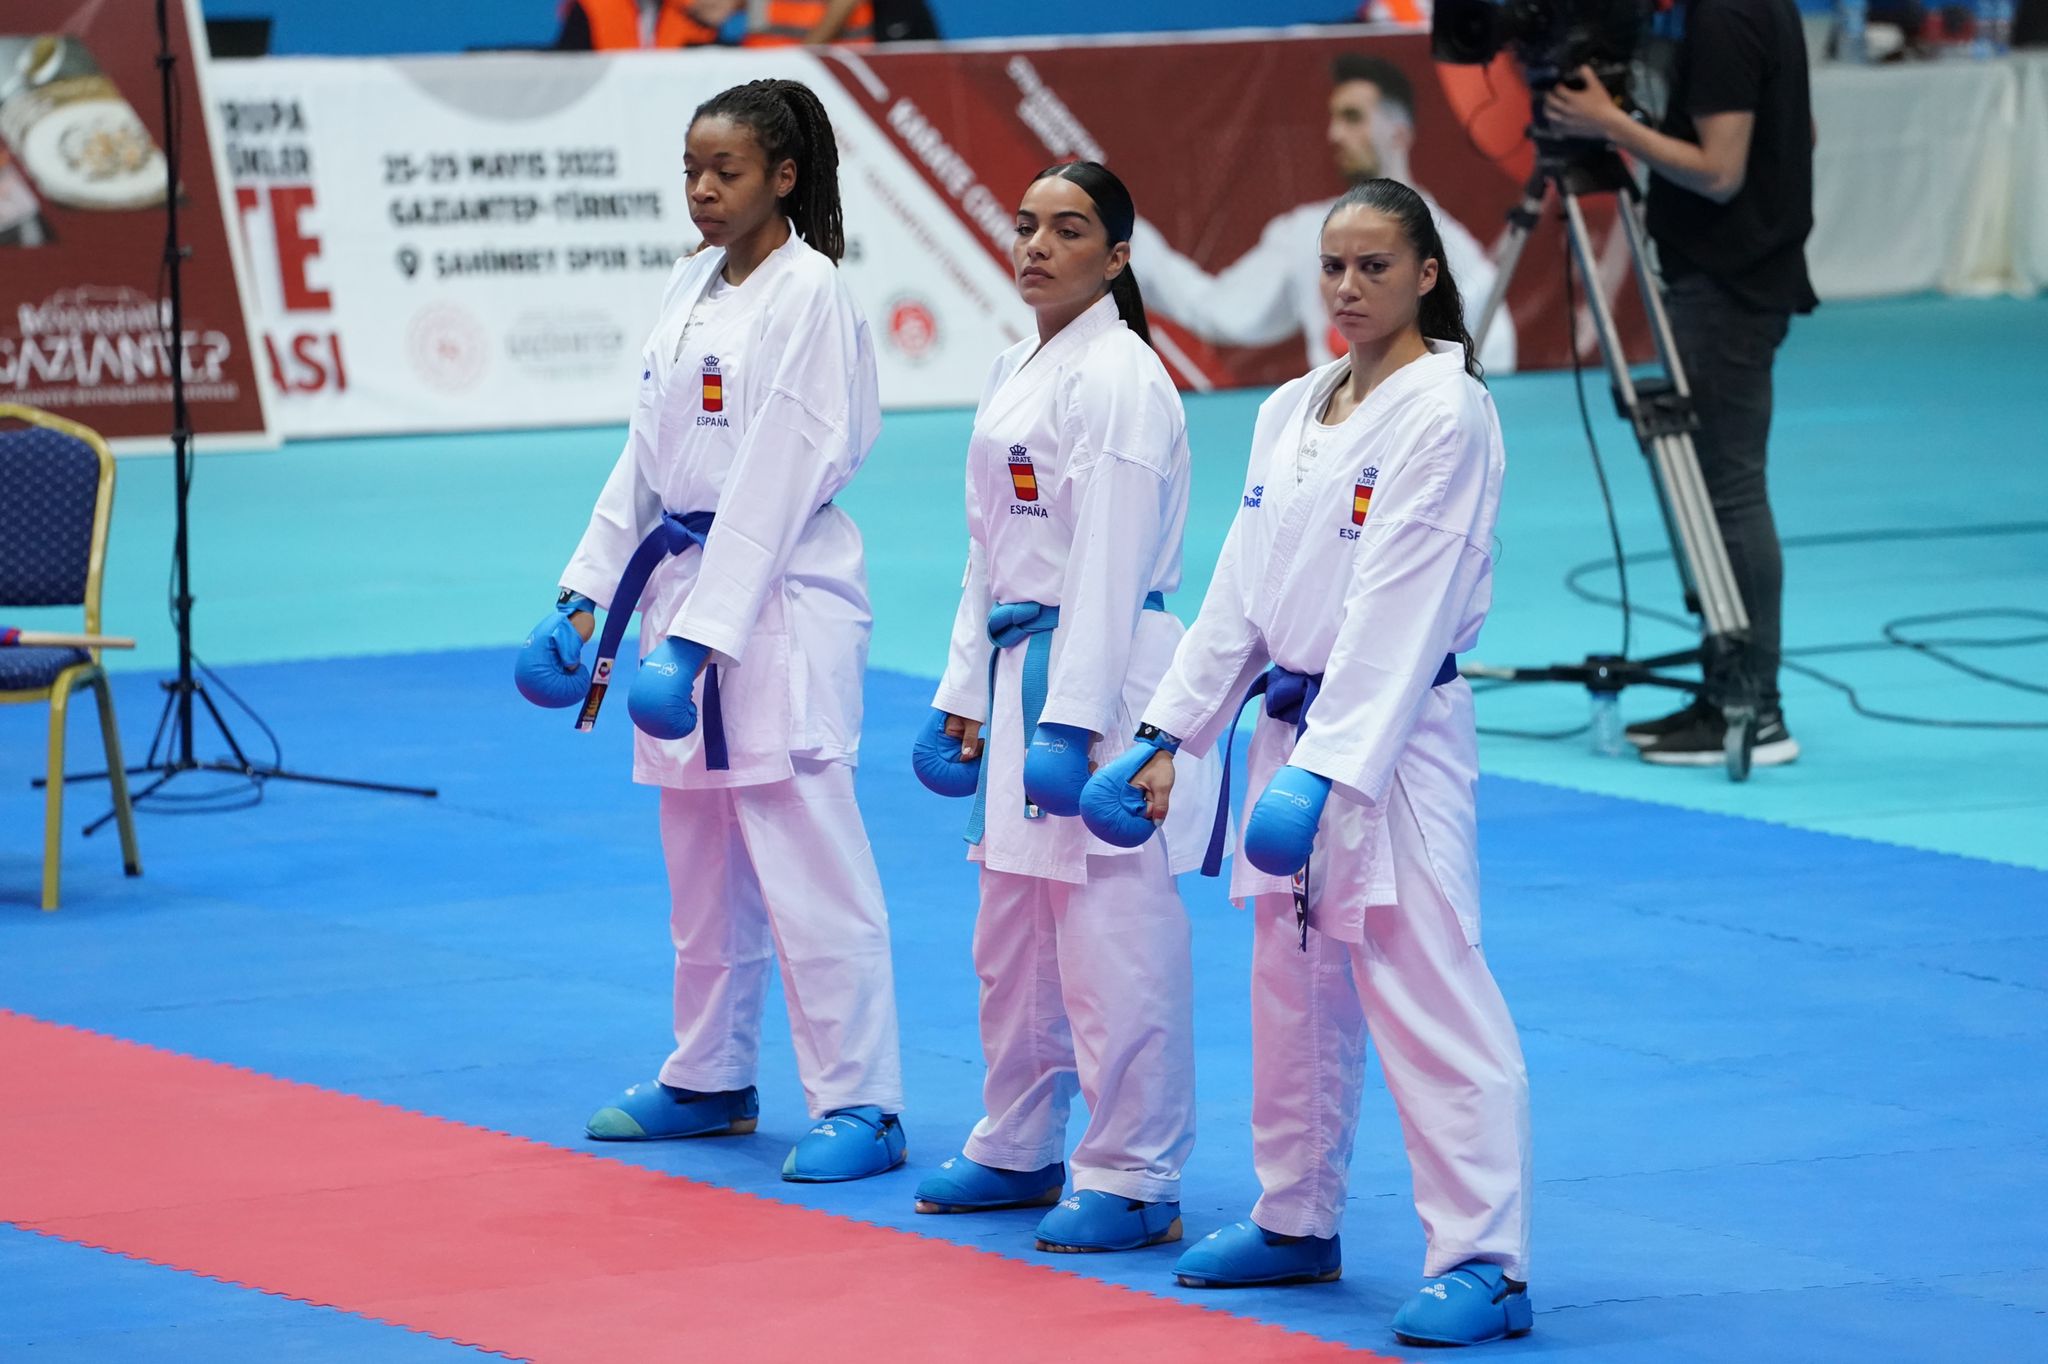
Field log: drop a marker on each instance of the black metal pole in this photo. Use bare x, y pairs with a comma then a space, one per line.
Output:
182, 755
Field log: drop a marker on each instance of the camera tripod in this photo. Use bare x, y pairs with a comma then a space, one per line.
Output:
1659, 408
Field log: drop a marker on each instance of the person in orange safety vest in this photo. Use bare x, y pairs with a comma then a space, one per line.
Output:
614, 25
778, 23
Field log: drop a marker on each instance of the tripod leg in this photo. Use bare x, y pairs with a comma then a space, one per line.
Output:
1522, 219
349, 783
1661, 411
241, 759
163, 720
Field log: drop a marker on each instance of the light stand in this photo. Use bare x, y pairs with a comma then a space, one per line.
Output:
167, 762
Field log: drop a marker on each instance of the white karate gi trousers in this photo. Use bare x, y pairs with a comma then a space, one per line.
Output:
781, 870
1091, 983
1447, 1046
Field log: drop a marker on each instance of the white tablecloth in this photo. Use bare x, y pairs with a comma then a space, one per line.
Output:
1931, 176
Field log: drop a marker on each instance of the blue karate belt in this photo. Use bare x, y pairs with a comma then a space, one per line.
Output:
1288, 697
1031, 624
674, 534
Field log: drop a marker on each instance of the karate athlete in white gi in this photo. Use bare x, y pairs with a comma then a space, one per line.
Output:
1077, 489
1359, 563
757, 404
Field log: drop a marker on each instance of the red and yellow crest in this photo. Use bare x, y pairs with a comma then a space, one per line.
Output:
714, 385
1023, 478
1361, 495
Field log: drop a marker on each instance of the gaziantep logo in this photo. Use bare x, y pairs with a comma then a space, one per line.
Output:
94, 337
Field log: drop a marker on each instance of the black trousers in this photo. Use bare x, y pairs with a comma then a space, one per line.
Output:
1728, 349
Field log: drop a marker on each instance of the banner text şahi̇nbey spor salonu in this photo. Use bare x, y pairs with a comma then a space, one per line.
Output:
479, 242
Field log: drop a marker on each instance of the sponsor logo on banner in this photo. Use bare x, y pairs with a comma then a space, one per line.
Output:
913, 329
565, 345
84, 330
97, 346
1023, 478
448, 346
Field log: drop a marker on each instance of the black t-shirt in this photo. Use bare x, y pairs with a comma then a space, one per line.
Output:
1743, 56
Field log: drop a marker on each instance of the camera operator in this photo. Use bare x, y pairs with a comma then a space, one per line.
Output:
1730, 207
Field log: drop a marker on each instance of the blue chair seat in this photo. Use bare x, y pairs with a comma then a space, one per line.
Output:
32, 667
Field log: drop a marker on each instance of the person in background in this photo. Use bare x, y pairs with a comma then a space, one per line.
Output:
1731, 204
618, 25
1274, 290
784, 23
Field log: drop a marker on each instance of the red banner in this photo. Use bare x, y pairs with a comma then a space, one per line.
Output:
1233, 149
84, 326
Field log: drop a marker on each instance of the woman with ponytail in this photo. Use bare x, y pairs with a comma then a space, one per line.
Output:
756, 405
1360, 564
1077, 489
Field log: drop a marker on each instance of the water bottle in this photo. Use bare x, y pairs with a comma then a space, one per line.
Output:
1608, 739
1603, 691
1849, 23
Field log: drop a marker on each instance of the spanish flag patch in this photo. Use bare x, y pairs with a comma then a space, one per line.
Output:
1361, 495
1023, 478
714, 385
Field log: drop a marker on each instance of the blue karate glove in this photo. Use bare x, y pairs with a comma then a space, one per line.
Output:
660, 701
1278, 836
935, 757
1112, 808
1056, 768
549, 670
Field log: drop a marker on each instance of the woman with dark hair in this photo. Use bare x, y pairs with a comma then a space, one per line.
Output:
756, 406
1077, 489
1359, 565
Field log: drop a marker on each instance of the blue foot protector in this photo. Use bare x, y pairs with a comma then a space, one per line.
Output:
963, 1185
1094, 1221
1474, 1303
655, 1112
1244, 1254
847, 1143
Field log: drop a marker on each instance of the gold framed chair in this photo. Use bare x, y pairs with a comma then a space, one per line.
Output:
56, 500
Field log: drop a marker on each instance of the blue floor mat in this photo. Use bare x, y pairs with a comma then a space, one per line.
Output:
67, 1302
1786, 1084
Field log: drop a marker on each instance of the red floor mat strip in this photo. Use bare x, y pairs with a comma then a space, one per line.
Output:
509, 1245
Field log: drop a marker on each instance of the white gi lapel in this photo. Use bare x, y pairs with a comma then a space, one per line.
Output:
1294, 508
682, 389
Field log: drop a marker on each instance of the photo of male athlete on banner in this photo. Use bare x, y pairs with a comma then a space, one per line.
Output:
1269, 294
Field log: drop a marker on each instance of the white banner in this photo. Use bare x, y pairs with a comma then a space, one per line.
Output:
478, 242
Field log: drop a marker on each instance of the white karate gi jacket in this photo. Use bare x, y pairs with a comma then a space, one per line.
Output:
1369, 571
763, 419
1077, 493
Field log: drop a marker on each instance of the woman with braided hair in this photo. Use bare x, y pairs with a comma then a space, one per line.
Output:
756, 406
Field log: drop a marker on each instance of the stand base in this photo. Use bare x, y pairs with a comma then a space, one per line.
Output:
1609, 674
180, 695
